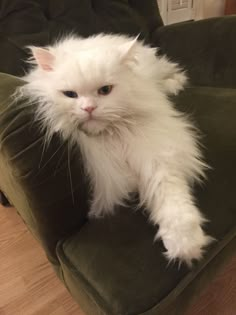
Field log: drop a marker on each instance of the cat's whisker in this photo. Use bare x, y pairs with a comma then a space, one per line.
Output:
129, 121
6, 108
45, 144
70, 177
8, 135
43, 150
5, 130
59, 161
12, 108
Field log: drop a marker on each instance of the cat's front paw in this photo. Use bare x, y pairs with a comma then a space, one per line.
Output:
98, 210
95, 213
185, 244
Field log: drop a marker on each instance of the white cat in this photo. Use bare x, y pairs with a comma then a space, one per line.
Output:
109, 94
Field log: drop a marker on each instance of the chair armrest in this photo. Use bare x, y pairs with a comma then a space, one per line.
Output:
205, 48
46, 184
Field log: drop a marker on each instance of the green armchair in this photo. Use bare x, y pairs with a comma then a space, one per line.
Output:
111, 266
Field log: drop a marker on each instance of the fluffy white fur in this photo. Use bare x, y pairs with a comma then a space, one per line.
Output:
134, 140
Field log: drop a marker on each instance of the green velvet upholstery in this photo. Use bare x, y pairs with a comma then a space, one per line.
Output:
205, 48
111, 266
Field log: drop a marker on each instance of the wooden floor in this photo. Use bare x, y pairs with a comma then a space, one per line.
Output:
28, 285
220, 297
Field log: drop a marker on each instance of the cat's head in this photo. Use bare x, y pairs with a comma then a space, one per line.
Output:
94, 85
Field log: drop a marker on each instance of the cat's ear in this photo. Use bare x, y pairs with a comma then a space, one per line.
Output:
127, 50
43, 57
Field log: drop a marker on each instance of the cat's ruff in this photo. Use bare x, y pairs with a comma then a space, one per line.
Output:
109, 94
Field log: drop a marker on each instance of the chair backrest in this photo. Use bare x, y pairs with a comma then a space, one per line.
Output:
40, 22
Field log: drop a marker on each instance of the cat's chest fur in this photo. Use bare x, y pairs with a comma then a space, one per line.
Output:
109, 165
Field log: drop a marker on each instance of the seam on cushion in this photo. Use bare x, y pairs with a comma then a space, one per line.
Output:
64, 259
174, 292
61, 275
192, 275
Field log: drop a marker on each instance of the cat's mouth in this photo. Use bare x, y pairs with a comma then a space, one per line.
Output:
92, 126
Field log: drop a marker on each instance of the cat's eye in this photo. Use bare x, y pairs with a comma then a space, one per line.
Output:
105, 90
71, 94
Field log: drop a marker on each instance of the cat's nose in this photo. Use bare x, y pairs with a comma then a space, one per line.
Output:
89, 109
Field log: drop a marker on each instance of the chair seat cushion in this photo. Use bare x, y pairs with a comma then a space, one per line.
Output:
113, 265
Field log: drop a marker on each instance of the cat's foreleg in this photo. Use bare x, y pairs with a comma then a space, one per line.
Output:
171, 205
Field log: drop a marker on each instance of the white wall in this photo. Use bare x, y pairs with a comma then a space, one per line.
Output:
208, 8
